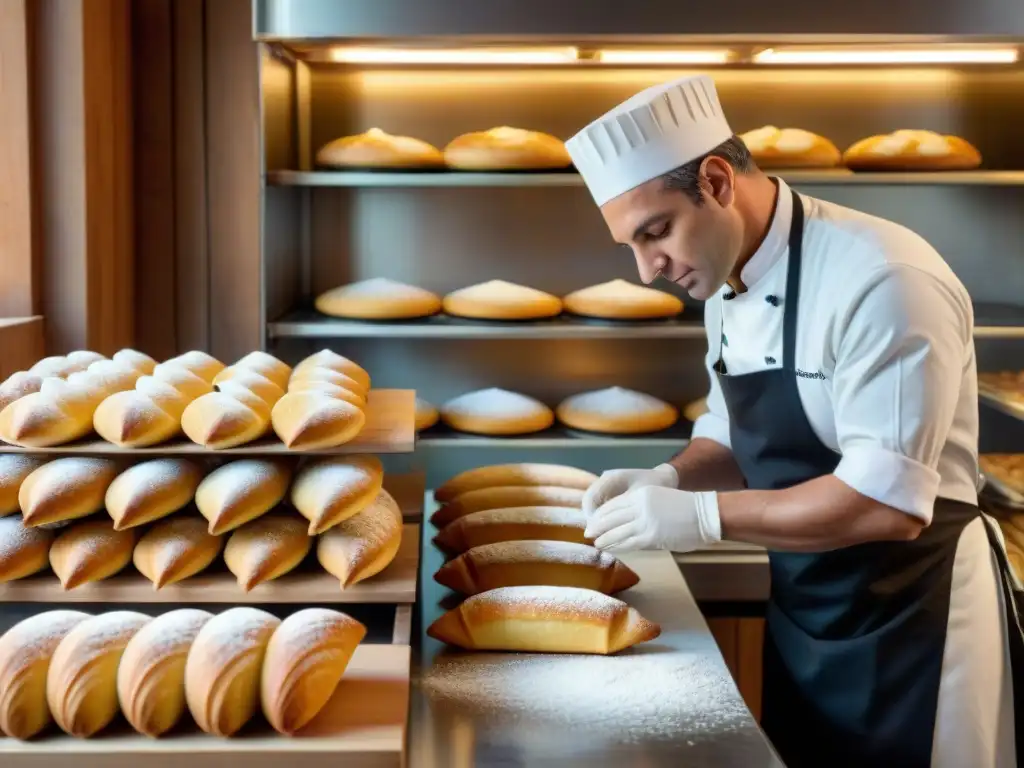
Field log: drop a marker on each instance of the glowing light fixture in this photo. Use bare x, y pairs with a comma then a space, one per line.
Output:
664, 57
508, 56
931, 55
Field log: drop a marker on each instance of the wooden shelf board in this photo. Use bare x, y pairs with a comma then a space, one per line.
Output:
362, 725
390, 428
407, 490
395, 584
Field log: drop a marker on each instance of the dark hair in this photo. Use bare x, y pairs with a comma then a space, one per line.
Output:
685, 178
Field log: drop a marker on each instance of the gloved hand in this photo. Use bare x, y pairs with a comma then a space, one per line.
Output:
653, 517
615, 482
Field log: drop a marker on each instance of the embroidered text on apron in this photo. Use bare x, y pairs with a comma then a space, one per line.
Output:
855, 637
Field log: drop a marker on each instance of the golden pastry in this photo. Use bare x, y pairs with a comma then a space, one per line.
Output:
378, 299
622, 300
513, 524
240, 491
912, 150
176, 549
66, 489
616, 411
501, 300
151, 490
14, 468
363, 545
426, 415
266, 548
773, 147
314, 419
23, 550
313, 366
378, 149
496, 411
504, 148
525, 473
503, 497
90, 551
331, 490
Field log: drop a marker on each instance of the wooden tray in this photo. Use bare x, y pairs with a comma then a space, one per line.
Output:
363, 726
390, 428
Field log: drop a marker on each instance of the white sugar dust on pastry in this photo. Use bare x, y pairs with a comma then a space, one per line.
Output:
501, 300
522, 473
377, 148
330, 490
505, 148
14, 468
496, 411
90, 550
544, 619
622, 300
23, 550
502, 497
773, 147
364, 544
616, 410
912, 150
378, 298
513, 524
151, 490
538, 562
176, 549
266, 548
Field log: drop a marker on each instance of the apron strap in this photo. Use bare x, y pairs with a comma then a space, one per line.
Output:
792, 297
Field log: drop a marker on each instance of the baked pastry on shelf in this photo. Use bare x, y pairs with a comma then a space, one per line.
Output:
512, 524
616, 411
506, 149
364, 544
622, 300
501, 300
427, 414
176, 549
496, 411
23, 550
773, 147
518, 474
912, 150
266, 548
90, 550
503, 497
695, 409
377, 148
378, 298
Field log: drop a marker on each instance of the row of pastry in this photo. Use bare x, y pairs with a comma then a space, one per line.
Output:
505, 149
385, 299
132, 401
496, 411
81, 671
532, 581
151, 522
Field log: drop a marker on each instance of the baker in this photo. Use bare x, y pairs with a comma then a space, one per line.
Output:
841, 434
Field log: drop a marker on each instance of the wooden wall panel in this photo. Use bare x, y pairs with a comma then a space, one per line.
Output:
19, 288
21, 343
740, 640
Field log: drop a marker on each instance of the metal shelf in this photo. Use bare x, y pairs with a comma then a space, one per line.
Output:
991, 322
556, 437
995, 401
571, 179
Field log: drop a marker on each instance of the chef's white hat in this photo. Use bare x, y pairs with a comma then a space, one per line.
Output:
650, 134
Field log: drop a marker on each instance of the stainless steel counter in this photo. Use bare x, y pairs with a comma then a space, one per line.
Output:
669, 702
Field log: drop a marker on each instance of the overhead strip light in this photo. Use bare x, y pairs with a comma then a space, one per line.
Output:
931, 55
664, 57
484, 56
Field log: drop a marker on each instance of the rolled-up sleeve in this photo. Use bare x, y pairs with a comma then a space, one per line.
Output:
900, 350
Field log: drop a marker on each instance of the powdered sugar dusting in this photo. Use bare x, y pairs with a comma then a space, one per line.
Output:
16, 537
15, 467
141, 482
261, 540
548, 603
519, 515
235, 481
619, 290
616, 401
92, 540
367, 531
494, 403
230, 634
328, 480
96, 636
502, 293
306, 630
171, 541
379, 287
169, 634
37, 637
539, 551
65, 476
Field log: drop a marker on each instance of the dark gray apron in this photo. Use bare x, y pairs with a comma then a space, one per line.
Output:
855, 637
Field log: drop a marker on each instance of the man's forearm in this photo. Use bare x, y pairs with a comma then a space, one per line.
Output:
705, 465
816, 516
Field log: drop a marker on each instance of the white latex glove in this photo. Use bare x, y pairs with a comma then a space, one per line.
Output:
654, 517
616, 482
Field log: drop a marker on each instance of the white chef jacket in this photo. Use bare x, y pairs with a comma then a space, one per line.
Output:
886, 376
884, 352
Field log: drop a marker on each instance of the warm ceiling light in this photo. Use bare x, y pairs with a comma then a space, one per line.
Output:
664, 57
455, 55
933, 55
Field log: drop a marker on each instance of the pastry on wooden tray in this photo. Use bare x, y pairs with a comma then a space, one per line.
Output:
496, 411
236, 413
330, 490
62, 410
506, 149
176, 549
304, 662
427, 415
542, 563
151, 412
502, 497
377, 148
14, 468
81, 685
223, 668
151, 674
912, 150
773, 147
242, 490
622, 300
267, 366
312, 368
66, 489
521, 473
151, 490
513, 524
314, 419
501, 300
539, 619
266, 549
616, 411
23, 550
25, 653
90, 550
22, 383
364, 544
378, 298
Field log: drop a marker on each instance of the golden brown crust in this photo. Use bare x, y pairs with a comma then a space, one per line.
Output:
378, 149
311, 420
621, 300
912, 150
266, 549
695, 409
541, 619
236, 414
773, 147
378, 299
176, 549
513, 524
313, 367
616, 411
521, 473
426, 415
64, 489
240, 491
90, 550
23, 550
502, 497
305, 660
505, 148
527, 563
496, 411
14, 468
362, 545
501, 300
151, 490
329, 491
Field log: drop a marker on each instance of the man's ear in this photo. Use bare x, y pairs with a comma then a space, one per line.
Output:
717, 181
